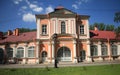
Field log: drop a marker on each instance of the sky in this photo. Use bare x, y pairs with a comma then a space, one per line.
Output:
21, 13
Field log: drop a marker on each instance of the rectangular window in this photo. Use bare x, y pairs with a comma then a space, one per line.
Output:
81, 29
20, 53
44, 29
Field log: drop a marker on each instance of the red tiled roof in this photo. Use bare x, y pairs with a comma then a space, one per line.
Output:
96, 34
20, 38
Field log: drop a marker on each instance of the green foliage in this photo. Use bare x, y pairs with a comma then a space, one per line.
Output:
117, 17
117, 31
112, 69
22, 30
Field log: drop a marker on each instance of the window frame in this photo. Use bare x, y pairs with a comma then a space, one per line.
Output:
104, 50
22, 53
63, 27
82, 30
94, 50
44, 29
114, 50
31, 49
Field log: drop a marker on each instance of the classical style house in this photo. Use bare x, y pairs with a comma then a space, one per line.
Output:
63, 35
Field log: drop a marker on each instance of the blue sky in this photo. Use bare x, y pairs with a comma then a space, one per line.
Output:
20, 13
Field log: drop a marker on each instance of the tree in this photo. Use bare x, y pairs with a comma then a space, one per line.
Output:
110, 28
101, 26
117, 17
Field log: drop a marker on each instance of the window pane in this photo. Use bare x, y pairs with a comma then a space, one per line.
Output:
44, 29
104, 49
81, 29
63, 30
114, 49
20, 52
31, 52
94, 50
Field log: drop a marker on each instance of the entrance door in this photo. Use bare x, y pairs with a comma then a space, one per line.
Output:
64, 54
82, 55
1, 55
44, 56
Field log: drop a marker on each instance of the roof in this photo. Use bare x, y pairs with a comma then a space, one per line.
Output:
27, 36
96, 34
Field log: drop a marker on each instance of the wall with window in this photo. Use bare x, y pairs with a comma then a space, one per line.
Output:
83, 29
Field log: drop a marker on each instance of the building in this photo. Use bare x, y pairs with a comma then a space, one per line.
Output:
63, 35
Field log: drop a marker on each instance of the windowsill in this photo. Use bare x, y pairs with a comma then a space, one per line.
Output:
83, 34
44, 34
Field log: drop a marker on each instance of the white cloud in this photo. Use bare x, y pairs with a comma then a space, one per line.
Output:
38, 9
17, 1
32, 6
24, 7
35, 8
78, 3
28, 17
75, 6
49, 9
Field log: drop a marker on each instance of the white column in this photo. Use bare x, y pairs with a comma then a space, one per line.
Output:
38, 28
53, 51
88, 52
25, 54
87, 29
74, 46
14, 51
119, 50
37, 51
49, 52
99, 51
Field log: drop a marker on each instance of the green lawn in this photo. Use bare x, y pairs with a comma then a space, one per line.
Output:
84, 70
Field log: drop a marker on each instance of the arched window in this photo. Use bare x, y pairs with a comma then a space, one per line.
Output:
44, 56
9, 52
113, 50
63, 27
64, 54
20, 52
31, 51
82, 55
104, 50
94, 50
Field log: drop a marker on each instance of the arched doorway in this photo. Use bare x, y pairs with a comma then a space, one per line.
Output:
82, 55
64, 54
44, 56
1, 56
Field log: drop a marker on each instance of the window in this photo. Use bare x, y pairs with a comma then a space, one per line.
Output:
81, 29
104, 49
1, 55
94, 50
64, 54
114, 50
63, 28
9, 52
44, 29
31, 51
20, 52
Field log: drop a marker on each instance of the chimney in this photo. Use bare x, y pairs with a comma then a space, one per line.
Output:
14, 32
17, 32
96, 28
9, 32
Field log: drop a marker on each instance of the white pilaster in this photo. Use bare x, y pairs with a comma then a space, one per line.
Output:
88, 52
14, 51
87, 29
53, 51
99, 50
38, 28
119, 50
74, 46
37, 51
25, 53
49, 52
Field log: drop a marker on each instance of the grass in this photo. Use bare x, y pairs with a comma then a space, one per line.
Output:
113, 69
